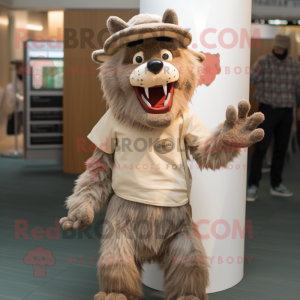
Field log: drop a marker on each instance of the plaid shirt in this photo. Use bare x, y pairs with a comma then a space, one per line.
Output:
277, 81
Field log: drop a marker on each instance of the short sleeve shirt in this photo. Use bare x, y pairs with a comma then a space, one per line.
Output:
148, 164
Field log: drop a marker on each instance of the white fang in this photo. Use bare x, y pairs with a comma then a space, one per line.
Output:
146, 101
167, 100
165, 89
147, 92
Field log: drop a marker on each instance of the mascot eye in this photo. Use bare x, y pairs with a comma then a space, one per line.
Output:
138, 58
166, 55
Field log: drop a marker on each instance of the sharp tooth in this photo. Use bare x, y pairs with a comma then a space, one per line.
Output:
167, 100
147, 92
146, 101
165, 89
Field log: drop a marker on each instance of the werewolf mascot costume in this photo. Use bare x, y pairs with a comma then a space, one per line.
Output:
139, 169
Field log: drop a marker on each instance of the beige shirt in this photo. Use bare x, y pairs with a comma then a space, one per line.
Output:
148, 165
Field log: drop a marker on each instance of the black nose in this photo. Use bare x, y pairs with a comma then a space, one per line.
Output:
155, 65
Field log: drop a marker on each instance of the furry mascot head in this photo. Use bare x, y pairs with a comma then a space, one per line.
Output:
148, 76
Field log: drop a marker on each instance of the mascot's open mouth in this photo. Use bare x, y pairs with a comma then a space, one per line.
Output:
156, 99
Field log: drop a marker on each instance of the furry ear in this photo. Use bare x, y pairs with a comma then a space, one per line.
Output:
170, 16
199, 55
115, 24
99, 56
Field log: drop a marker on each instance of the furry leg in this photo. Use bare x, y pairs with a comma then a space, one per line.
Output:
119, 273
186, 267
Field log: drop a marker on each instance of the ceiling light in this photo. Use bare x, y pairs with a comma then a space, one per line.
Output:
278, 22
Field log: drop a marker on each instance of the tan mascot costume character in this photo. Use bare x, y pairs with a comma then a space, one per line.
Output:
148, 77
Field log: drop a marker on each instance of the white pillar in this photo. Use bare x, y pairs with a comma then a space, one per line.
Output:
216, 195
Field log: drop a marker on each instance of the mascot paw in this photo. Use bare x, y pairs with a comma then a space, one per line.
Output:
188, 298
239, 129
110, 296
79, 217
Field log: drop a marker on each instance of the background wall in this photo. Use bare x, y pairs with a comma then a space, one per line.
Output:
4, 22
4, 66
83, 105
72, 4
56, 25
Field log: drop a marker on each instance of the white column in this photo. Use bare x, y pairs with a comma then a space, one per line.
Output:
216, 195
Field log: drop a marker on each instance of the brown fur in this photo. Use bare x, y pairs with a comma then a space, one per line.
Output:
226, 141
97, 190
90, 193
115, 24
167, 234
173, 235
135, 233
170, 16
207, 155
121, 96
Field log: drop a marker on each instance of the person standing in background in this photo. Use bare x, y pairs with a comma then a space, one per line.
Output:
277, 77
15, 90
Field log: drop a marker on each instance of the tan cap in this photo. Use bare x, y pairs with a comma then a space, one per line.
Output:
282, 41
139, 27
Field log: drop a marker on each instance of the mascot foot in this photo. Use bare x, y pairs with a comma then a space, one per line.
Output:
188, 298
110, 296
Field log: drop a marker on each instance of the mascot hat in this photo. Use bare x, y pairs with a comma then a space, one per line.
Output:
140, 27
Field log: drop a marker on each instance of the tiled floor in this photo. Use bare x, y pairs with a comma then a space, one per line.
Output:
34, 192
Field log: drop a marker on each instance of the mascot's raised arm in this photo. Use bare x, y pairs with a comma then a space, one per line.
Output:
139, 169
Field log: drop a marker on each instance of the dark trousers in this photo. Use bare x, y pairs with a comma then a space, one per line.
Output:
278, 122
11, 123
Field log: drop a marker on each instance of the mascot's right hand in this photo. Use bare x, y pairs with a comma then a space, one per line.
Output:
79, 217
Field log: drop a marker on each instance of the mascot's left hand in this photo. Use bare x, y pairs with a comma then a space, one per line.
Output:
239, 130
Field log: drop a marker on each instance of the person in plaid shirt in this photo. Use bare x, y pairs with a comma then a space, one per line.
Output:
277, 77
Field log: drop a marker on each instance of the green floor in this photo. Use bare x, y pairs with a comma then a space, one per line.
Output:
35, 191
